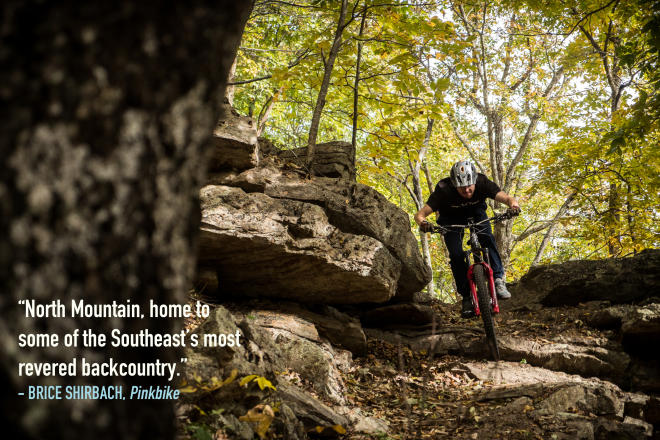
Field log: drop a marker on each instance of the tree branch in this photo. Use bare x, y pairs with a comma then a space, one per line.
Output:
531, 127
292, 64
551, 227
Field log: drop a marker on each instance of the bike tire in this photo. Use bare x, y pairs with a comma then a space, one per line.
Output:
486, 309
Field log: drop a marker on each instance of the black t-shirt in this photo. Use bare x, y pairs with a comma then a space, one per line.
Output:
448, 202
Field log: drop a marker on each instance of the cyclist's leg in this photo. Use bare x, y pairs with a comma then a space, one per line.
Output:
487, 240
459, 267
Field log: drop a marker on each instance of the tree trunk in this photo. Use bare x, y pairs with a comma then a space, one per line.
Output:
551, 228
356, 85
419, 202
229, 90
613, 220
107, 113
264, 114
612, 68
325, 84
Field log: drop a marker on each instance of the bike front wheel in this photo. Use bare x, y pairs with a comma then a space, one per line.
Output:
486, 309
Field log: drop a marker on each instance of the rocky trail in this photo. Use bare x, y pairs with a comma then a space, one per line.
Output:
406, 386
527, 395
321, 277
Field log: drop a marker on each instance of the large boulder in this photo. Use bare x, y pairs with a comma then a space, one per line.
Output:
284, 349
566, 406
331, 159
352, 208
569, 356
617, 280
234, 143
639, 326
340, 329
263, 246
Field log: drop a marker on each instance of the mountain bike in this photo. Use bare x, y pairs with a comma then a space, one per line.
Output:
480, 276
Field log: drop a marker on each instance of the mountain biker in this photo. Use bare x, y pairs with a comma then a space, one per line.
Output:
456, 198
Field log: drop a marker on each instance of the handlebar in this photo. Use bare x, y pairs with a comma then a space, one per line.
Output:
508, 214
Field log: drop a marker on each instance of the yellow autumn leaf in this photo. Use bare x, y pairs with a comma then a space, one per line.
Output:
339, 429
262, 416
264, 383
188, 389
231, 378
247, 379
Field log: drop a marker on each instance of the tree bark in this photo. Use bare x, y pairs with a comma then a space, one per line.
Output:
612, 68
264, 114
417, 187
229, 90
325, 84
356, 85
106, 116
551, 228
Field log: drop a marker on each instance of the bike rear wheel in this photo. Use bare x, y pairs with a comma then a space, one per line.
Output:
483, 295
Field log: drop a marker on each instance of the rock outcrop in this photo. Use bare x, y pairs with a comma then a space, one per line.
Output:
234, 143
352, 208
639, 326
282, 246
270, 247
282, 348
616, 280
331, 159
572, 406
402, 314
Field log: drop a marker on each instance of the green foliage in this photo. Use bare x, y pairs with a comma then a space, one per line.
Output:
200, 432
419, 63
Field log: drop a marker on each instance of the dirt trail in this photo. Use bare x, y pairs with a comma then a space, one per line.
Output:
454, 396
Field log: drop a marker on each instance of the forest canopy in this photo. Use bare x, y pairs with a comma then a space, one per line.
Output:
557, 102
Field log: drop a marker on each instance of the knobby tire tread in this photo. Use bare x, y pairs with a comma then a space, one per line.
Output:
483, 295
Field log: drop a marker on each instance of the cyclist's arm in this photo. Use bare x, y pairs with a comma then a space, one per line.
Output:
511, 202
421, 215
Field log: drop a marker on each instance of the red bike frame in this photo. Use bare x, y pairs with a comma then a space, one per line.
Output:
491, 288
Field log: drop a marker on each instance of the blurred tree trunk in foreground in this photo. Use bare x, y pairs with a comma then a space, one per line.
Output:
107, 108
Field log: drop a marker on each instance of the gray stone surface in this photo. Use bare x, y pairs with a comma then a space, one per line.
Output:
234, 144
577, 407
586, 360
616, 280
269, 247
331, 159
310, 411
352, 208
281, 347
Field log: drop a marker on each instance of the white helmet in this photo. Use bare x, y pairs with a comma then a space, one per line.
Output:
463, 173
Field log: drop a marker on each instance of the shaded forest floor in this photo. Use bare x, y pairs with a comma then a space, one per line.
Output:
434, 398
466, 396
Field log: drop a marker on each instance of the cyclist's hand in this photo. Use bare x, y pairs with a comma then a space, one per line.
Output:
514, 207
425, 226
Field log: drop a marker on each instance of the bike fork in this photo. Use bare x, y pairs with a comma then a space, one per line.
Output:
491, 288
